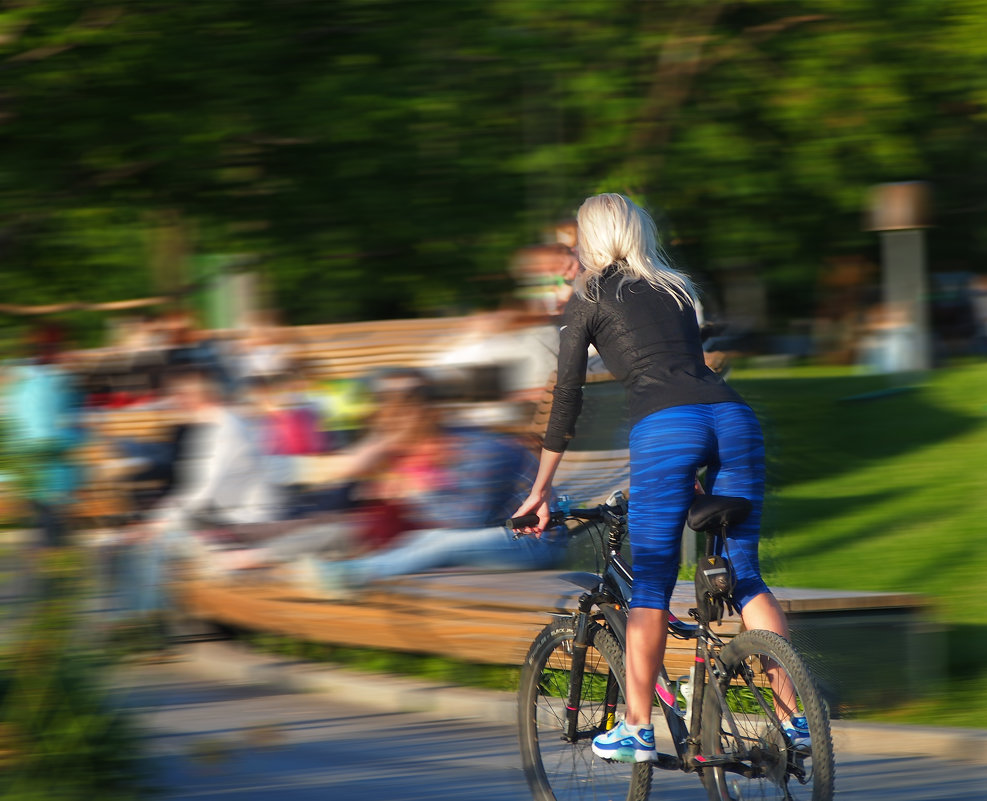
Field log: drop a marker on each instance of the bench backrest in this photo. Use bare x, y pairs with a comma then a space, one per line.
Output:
347, 350
597, 462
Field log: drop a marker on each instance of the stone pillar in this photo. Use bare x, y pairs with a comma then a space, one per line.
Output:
905, 288
899, 212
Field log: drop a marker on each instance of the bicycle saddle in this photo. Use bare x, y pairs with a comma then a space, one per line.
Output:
713, 512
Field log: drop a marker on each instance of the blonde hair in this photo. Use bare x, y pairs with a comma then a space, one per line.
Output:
615, 231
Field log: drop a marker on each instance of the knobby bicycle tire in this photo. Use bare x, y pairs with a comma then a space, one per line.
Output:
785, 772
557, 768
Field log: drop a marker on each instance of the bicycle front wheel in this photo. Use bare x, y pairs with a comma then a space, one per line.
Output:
764, 682
558, 761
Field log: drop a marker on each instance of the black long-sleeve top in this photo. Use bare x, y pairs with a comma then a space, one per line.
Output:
646, 341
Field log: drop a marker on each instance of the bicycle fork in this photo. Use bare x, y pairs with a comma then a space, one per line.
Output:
580, 646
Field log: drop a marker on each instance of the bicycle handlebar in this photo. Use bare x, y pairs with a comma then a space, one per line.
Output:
557, 518
526, 521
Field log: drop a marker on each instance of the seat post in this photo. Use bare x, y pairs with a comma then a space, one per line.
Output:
711, 538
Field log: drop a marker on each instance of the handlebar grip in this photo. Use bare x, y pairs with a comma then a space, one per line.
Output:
529, 520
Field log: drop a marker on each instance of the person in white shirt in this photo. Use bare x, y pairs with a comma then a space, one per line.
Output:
224, 478
523, 337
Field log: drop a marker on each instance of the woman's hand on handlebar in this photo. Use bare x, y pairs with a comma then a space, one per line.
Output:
535, 503
541, 492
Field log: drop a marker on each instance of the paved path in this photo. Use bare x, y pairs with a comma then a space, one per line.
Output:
211, 740
214, 738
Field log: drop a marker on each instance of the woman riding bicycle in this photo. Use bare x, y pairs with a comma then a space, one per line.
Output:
639, 313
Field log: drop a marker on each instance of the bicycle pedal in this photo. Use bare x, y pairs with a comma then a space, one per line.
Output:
667, 762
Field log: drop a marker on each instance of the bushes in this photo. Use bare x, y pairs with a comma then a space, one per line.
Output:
61, 738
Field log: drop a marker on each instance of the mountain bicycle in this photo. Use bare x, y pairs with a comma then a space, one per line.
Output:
724, 720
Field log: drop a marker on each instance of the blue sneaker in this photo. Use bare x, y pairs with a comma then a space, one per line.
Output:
621, 744
797, 732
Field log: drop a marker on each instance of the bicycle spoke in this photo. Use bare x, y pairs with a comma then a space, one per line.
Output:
565, 768
763, 683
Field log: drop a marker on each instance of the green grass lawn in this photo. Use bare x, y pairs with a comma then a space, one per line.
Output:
879, 483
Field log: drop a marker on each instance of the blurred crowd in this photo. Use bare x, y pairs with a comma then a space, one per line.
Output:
259, 468
256, 467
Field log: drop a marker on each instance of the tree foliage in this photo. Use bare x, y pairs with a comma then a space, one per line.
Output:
384, 156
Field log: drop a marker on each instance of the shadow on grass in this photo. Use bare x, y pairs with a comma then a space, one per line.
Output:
950, 696
966, 650
875, 521
784, 515
870, 516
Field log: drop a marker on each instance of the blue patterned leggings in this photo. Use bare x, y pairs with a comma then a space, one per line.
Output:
667, 448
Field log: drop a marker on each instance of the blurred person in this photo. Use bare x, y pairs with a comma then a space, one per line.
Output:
451, 487
152, 466
355, 480
144, 333
262, 352
522, 337
640, 313
372, 480
289, 423
567, 233
147, 356
188, 346
224, 475
44, 420
318, 402
459, 539
544, 274
845, 291
346, 406
176, 329
888, 340
223, 479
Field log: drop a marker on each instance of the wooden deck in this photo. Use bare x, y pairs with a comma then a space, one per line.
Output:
492, 618
477, 617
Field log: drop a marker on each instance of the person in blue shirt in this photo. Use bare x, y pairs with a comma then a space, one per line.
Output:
44, 426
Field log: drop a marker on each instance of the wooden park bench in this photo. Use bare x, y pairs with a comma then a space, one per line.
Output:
348, 350
103, 496
493, 617
859, 644
487, 617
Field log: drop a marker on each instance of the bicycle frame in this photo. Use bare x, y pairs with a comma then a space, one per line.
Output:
577, 662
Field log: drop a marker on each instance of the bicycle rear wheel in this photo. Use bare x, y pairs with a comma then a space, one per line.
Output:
563, 768
779, 769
